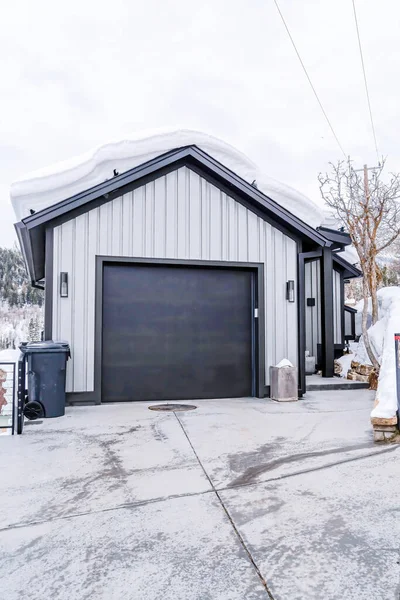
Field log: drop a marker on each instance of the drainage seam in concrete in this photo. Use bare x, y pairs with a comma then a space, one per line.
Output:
102, 510
240, 538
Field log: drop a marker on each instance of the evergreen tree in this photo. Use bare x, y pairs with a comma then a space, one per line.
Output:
15, 287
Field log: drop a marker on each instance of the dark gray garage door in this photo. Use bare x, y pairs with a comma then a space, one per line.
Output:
172, 332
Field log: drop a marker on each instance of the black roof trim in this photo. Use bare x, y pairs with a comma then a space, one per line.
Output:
35, 224
337, 237
187, 153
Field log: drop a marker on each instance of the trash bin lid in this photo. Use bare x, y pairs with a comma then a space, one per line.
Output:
47, 346
62, 343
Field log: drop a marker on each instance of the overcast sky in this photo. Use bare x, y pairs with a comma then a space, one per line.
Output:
78, 73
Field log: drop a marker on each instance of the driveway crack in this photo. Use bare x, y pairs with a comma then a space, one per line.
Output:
224, 508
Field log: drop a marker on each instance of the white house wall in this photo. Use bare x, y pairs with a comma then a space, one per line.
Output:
312, 276
181, 216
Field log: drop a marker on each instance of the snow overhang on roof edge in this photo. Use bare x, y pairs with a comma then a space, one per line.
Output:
53, 184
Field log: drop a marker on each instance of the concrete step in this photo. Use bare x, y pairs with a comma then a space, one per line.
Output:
316, 382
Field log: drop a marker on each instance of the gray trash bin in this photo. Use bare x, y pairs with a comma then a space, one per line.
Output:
47, 364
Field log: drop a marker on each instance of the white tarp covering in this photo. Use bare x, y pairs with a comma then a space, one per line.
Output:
284, 363
381, 336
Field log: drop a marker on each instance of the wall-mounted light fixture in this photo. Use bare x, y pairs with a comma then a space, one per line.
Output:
64, 285
290, 290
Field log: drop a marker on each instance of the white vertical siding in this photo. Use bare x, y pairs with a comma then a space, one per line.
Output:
171, 214
66, 311
92, 250
79, 298
313, 313
183, 216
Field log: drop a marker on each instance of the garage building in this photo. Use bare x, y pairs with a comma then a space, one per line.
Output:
174, 276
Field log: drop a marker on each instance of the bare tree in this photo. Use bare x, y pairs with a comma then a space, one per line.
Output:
368, 209
353, 290
392, 258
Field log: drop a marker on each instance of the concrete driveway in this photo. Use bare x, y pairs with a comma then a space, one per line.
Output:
240, 499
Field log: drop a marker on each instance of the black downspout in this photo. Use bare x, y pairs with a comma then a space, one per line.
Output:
302, 323
342, 311
327, 313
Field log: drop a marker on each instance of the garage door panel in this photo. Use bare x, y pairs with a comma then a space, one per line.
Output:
128, 384
174, 332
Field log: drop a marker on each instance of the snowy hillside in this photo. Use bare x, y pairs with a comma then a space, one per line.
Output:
19, 324
21, 306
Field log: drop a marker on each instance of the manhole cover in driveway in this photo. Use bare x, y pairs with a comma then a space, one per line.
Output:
172, 407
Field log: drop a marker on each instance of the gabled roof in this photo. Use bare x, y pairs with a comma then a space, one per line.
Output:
32, 229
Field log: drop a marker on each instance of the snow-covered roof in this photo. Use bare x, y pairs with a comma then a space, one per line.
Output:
62, 180
350, 254
329, 219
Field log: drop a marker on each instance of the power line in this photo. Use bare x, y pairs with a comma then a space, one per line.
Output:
365, 79
309, 80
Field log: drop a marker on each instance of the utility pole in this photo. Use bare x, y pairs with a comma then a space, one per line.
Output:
366, 184
366, 190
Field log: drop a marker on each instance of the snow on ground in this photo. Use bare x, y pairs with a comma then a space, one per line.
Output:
9, 355
381, 337
60, 181
389, 324
346, 359
19, 324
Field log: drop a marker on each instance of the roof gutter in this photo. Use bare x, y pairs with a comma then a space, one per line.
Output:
26, 249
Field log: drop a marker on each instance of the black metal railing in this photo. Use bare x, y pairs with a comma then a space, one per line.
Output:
7, 398
22, 393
